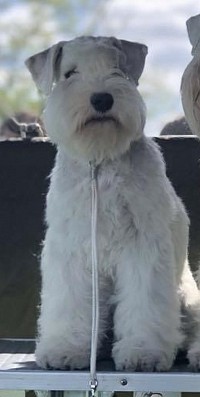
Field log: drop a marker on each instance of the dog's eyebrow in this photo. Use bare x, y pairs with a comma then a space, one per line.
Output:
71, 66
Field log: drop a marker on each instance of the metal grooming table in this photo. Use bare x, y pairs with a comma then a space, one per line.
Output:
19, 371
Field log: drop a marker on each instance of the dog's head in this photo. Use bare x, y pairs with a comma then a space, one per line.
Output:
93, 107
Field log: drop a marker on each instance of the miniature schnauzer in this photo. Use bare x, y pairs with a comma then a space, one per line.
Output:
94, 112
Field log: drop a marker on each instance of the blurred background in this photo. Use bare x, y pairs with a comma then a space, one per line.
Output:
29, 26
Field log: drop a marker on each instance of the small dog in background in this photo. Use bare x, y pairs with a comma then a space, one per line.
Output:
94, 112
22, 125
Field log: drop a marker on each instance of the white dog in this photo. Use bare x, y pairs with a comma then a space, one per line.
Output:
94, 112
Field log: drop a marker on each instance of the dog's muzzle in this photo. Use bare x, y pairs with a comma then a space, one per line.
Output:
101, 119
102, 101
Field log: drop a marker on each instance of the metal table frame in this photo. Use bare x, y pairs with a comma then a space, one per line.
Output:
18, 371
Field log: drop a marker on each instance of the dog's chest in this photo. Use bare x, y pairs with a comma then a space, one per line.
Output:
109, 205
73, 211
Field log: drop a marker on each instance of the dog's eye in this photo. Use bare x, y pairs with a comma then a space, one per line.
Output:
70, 73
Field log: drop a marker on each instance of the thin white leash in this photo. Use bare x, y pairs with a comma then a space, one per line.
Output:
95, 283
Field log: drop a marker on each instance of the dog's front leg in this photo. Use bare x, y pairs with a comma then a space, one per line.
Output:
147, 314
66, 313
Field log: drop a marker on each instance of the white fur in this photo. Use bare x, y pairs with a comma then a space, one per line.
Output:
142, 228
70, 104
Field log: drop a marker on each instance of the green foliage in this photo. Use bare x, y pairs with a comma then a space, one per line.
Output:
19, 97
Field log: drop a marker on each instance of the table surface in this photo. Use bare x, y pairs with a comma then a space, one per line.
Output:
18, 370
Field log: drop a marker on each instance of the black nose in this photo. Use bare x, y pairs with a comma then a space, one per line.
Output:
102, 101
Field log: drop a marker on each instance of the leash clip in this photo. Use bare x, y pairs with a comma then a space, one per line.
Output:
93, 387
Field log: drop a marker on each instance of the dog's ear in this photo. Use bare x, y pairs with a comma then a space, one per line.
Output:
135, 58
193, 28
44, 67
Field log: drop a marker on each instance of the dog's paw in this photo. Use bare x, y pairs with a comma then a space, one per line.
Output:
129, 357
52, 358
194, 356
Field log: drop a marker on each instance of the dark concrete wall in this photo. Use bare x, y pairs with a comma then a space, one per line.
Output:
24, 170
182, 157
